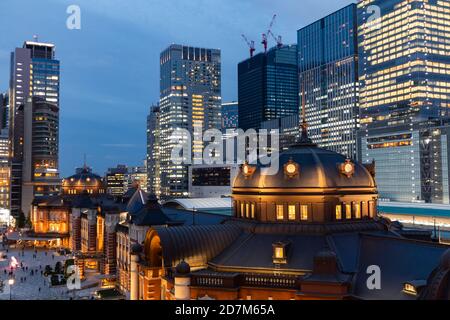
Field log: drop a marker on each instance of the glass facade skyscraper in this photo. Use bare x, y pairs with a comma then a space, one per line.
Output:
405, 61
268, 87
230, 115
34, 123
404, 49
190, 98
328, 72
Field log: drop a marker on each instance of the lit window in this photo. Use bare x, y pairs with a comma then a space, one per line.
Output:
304, 212
291, 212
348, 211
280, 213
247, 210
279, 253
338, 212
253, 211
242, 209
357, 208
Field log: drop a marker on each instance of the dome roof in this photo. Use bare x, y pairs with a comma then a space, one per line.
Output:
84, 178
316, 168
183, 268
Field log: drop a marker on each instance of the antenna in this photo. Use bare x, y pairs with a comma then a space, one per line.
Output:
84, 161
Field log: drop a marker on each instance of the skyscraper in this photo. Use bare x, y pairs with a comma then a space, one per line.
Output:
153, 151
405, 95
190, 98
34, 121
268, 87
328, 66
404, 61
230, 115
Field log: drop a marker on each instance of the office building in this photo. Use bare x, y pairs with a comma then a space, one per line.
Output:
404, 61
328, 66
190, 99
33, 118
268, 86
288, 131
153, 152
412, 163
230, 115
116, 180
136, 176
211, 181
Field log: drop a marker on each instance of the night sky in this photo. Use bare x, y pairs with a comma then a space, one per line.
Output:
110, 68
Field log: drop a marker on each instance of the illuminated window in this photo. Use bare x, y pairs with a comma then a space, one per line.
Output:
279, 253
339, 212
247, 210
304, 212
291, 212
242, 209
348, 211
253, 211
357, 210
280, 213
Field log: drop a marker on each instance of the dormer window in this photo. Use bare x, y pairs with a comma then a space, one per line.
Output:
280, 252
413, 288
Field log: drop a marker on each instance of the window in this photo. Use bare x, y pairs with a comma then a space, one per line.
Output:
253, 211
371, 209
242, 209
280, 213
304, 212
348, 211
339, 212
291, 212
247, 210
279, 253
357, 209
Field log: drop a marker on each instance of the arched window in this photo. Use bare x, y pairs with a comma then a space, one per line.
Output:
242, 209
247, 210
253, 211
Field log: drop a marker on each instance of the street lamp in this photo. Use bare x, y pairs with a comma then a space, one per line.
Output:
11, 283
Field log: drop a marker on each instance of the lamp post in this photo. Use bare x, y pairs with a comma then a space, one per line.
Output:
11, 283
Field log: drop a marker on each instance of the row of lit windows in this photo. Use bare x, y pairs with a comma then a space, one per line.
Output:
290, 211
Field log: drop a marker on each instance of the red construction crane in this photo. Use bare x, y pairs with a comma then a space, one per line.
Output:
264, 35
251, 45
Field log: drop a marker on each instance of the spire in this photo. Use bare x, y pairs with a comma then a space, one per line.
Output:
84, 161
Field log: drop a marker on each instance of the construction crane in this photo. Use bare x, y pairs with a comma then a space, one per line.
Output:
269, 30
251, 45
278, 39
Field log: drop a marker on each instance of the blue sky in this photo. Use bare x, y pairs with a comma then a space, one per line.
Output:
110, 68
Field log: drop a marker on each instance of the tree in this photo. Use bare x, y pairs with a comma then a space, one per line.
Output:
20, 220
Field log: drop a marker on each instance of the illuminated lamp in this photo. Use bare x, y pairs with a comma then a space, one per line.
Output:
347, 168
248, 170
291, 169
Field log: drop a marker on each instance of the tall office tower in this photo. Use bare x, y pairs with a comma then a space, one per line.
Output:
153, 152
405, 61
288, 130
5, 168
230, 115
328, 66
268, 87
115, 180
34, 74
404, 82
190, 98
